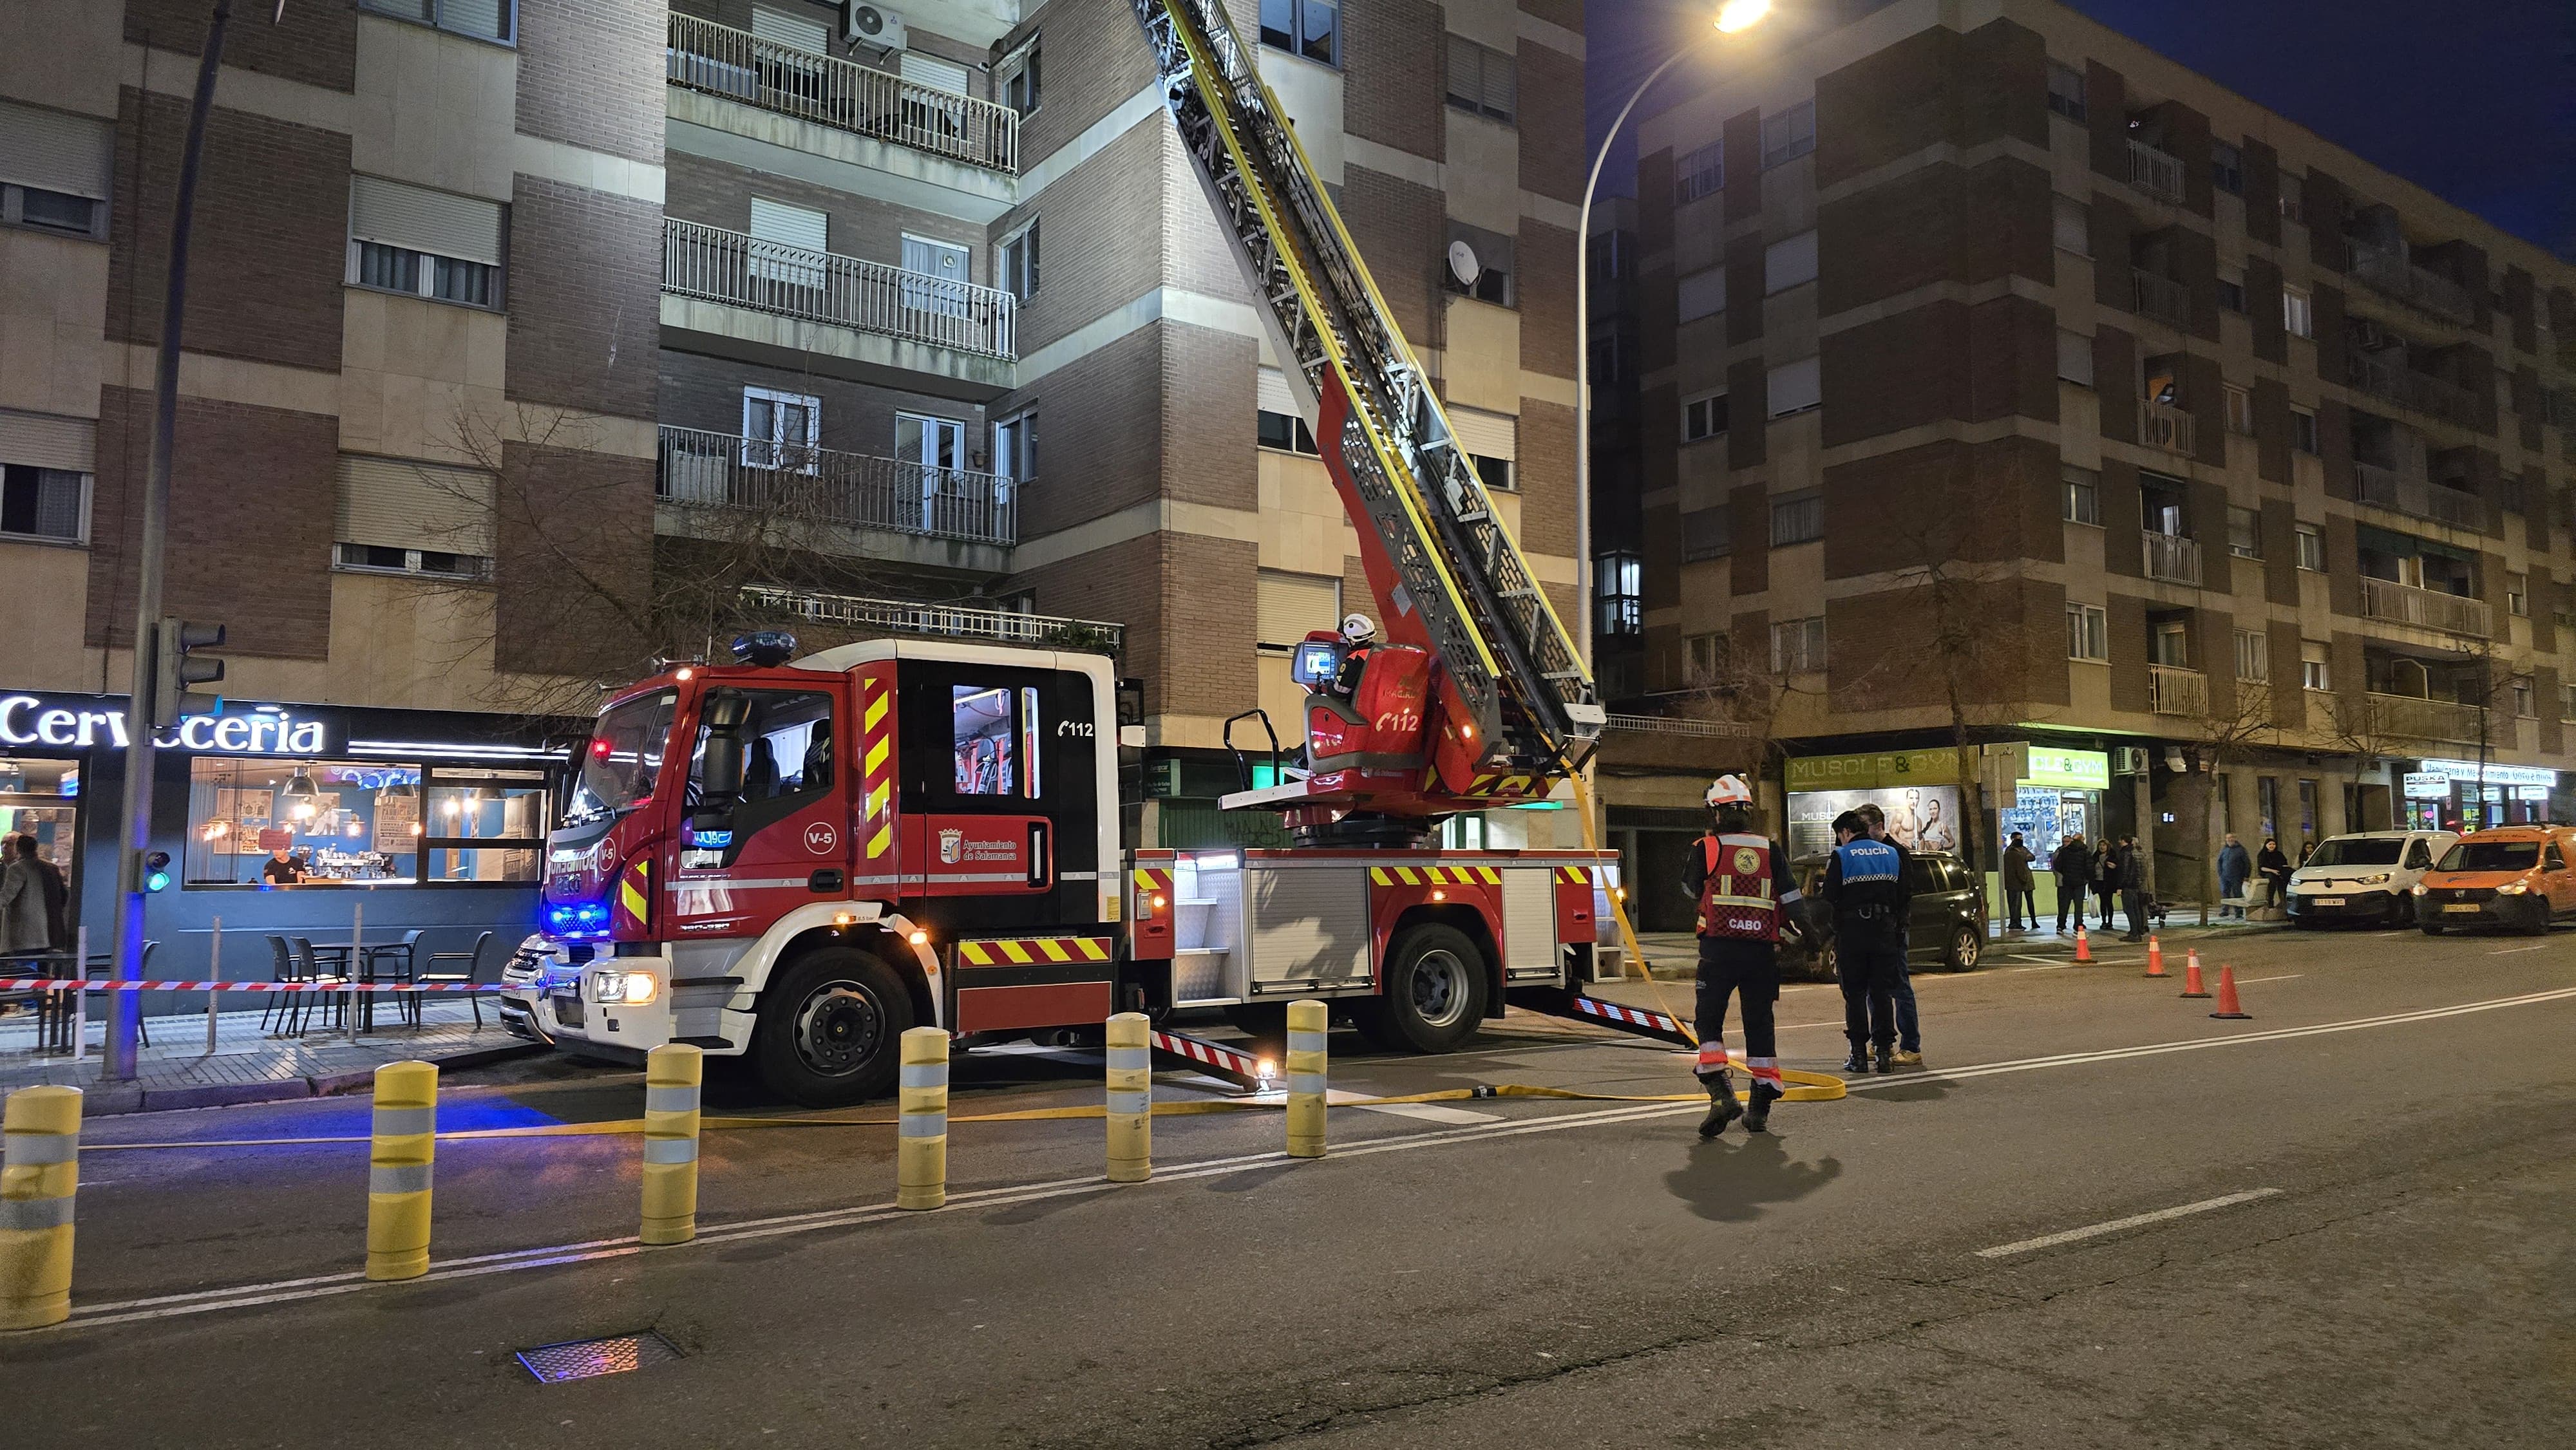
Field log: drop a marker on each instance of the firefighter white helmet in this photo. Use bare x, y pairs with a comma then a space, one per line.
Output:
1729, 790
1357, 629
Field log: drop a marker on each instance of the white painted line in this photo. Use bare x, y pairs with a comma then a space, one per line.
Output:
2509, 951
2050, 1241
1430, 1113
2285, 976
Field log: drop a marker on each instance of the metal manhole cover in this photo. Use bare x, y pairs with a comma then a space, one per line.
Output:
582, 1359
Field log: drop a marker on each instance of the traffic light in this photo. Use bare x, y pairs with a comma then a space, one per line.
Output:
156, 870
172, 642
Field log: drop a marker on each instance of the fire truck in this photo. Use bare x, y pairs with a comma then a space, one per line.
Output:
798, 858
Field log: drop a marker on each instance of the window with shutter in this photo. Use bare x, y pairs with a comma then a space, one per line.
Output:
54, 170
1789, 263
1703, 294
432, 244
2075, 357
1483, 82
404, 516
1796, 387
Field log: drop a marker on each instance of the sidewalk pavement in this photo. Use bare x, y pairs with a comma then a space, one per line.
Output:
250, 1064
1674, 956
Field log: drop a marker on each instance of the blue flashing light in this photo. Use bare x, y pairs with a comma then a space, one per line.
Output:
577, 920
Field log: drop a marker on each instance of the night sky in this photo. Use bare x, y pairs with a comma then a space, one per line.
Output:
2474, 100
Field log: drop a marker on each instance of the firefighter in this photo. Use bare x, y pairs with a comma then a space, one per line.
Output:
1359, 634
1747, 900
1865, 884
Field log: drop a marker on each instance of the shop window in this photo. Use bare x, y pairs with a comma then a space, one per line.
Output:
483, 826
264, 822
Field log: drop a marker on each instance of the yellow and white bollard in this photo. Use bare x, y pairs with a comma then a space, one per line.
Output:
398, 1164
1306, 1028
672, 1074
38, 1176
921, 1152
1131, 1098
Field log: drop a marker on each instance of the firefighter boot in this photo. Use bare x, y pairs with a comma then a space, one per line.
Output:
1757, 1118
1722, 1106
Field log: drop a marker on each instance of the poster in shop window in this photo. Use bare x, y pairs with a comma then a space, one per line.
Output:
397, 822
1919, 817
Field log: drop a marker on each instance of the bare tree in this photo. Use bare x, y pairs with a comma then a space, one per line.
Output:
2238, 717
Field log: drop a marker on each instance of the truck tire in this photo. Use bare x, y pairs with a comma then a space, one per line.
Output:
1435, 992
830, 1030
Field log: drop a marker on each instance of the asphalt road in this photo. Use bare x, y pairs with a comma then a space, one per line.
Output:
2393, 1136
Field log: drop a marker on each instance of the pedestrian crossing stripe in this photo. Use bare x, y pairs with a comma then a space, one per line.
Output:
1434, 876
1022, 951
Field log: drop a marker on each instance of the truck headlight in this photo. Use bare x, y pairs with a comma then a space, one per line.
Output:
630, 989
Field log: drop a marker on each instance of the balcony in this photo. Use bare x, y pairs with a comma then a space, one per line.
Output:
2162, 425
2381, 377
2162, 298
2412, 718
2153, 172
2423, 608
790, 485
2172, 558
2172, 691
2388, 273
737, 65
2421, 498
863, 615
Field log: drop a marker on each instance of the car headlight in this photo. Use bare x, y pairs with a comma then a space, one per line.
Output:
2513, 888
2379, 880
2420, 888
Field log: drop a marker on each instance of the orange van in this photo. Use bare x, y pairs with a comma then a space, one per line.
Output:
2522, 877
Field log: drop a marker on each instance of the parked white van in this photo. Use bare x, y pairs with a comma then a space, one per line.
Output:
2365, 876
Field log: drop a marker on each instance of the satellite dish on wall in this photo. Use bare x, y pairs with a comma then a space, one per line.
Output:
1463, 264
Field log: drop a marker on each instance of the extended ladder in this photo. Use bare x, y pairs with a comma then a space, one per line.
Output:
1480, 605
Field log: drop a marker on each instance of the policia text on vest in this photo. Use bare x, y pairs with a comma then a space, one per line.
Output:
1865, 885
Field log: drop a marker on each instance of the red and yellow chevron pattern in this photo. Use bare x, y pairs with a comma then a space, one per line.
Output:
1150, 884
1493, 783
1574, 875
876, 734
635, 896
1030, 951
1434, 876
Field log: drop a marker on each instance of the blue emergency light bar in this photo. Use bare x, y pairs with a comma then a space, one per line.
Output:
577, 920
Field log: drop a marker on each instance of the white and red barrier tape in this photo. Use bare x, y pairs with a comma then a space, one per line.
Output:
1630, 1016
100, 984
1241, 1063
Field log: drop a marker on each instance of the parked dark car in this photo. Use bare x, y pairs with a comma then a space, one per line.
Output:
1943, 929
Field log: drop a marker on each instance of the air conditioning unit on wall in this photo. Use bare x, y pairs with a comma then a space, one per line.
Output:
2128, 760
872, 25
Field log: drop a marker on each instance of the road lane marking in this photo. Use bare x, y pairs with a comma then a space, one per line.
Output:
2285, 976
1430, 1113
2095, 1230
2509, 951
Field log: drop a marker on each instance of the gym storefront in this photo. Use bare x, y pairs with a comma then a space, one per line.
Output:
288, 819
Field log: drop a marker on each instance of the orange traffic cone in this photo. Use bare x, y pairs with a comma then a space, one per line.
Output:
2227, 1004
2155, 957
2083, 946
2191, 983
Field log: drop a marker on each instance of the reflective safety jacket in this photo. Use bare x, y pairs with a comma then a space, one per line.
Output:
1741, 883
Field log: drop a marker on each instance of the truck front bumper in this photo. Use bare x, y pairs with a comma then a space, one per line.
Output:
578, 1007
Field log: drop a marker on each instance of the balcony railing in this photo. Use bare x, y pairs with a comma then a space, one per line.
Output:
2172, 557
2383, 377
957, 621
2162, 425
722, 266
793, 485
722, 61
2153, 172
2162, 298
2407, 494
2419, 719
2389, 273
2172, 691
2424, 608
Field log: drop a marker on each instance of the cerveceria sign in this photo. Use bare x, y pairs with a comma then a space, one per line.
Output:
97, 722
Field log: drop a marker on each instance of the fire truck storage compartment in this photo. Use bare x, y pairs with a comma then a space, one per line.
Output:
1529, 922
1307, 926
1207, 896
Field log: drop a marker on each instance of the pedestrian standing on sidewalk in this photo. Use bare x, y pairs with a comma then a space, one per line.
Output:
2133, 888
1909, 1023
2276, 872
2021, 902
2106, 876
1747, 901
2072, 862
2234, 865
24, 925
1865, 885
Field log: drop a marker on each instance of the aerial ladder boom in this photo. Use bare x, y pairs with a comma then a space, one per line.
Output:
1447, 573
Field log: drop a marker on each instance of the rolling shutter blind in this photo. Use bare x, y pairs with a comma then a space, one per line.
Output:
1796, 385
1292, 605
44, 441
52, 151
1487, 435
931, 71
437, 222
1273, 392
397, 504
795, 226
1703, 294
781, 28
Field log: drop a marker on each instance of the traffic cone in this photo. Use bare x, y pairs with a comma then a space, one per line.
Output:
2083, 946
2191, 983
2155, 957
2227, 1004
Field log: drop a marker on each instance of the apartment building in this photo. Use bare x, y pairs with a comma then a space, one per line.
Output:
2003, 376
530, 339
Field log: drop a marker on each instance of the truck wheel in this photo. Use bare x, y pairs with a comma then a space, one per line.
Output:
1435, 993
830, 1029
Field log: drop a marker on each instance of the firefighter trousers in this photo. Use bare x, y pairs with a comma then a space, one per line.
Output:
1750, 971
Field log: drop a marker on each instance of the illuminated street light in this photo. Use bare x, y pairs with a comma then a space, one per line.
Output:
1737, 15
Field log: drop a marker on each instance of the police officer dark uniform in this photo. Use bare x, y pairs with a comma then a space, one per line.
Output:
1865, 884
1745, 893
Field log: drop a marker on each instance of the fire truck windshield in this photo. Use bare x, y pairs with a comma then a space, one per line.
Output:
623, 759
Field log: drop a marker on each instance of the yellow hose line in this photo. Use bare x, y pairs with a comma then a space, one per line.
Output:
1807, 1087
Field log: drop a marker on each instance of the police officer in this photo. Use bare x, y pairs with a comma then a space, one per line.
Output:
1746, 898
1359, 635
1865, 883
